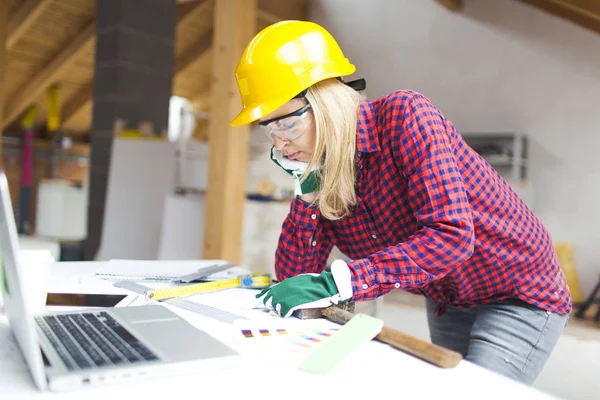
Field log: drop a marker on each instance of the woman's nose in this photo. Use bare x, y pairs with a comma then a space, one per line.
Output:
279, 143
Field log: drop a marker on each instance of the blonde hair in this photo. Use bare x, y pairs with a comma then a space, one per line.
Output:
335, 108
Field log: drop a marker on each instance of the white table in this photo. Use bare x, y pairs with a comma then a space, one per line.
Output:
374, 371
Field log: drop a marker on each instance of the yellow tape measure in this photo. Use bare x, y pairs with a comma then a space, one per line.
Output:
252, 281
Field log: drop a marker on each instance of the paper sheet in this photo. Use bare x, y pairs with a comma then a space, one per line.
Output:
82, 284
161, 269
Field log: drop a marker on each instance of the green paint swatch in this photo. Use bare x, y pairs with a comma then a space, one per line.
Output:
3, 276
360, 329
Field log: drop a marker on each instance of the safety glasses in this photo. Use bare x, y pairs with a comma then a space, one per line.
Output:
288, 127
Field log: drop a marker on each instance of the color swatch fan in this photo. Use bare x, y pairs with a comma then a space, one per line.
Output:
283, 341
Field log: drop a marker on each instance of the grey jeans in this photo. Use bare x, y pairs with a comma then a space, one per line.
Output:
511, 338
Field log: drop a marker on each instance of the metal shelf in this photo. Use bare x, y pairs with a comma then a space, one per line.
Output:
507, 153
502, 151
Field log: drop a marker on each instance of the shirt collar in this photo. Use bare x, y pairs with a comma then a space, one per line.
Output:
367, 138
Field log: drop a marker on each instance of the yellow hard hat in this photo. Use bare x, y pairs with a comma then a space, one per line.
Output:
283, 60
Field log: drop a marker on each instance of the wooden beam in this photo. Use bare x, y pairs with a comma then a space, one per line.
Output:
79, 100
282, 10
202, 100
195, 51
268, 17
590, 8
452, 5
187, 9
23, 18
3, 37
38, 84
234, 26
201, 131
584, 13
264, 13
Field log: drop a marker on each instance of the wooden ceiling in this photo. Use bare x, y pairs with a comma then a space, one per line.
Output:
53, 42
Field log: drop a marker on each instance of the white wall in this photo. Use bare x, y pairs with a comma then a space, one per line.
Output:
495, 66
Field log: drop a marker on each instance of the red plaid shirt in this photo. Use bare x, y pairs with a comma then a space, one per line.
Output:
432, 217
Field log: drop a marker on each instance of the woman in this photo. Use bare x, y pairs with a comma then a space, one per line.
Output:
394, 186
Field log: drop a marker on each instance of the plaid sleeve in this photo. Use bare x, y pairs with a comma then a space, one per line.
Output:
422, 153
302, 247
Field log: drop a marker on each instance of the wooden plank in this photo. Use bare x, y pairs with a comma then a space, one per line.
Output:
234, 26
191, 28
588, 7
3, 37
10, 77
85, 8
201, 130
23, 18
201, 102
79, 125
58, 27
288, 9
81, 99
574, 11
185, 11
196, 50
31, 51
48, 75
267, 17
452, 5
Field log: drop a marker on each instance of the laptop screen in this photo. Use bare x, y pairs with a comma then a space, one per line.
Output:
20, 319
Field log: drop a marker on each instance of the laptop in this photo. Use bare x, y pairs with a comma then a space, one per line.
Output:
95, 346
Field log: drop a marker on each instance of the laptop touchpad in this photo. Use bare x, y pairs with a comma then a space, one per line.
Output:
169, 335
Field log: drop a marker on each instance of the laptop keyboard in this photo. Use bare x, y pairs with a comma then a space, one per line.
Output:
89, 340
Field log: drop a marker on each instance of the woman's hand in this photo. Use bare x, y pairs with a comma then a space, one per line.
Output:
309, 290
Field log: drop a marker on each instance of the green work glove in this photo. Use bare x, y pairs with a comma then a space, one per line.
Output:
309, 290
296, 169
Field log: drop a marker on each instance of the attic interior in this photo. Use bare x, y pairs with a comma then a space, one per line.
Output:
51, 48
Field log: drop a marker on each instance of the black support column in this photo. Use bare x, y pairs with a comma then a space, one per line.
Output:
133, 75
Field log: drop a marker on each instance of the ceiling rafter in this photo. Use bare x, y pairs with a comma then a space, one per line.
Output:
186, 10
38, 84
23, 18
267, 17
452, 5
3, 36
81, 99
195, 51
584, 13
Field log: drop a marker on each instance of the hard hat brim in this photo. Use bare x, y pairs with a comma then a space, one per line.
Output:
253, 113
247, 116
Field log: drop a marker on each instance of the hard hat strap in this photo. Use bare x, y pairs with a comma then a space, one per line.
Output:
358, 85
